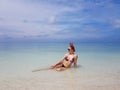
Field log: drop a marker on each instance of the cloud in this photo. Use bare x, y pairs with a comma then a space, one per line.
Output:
52, 19
116, 24
31, 19
90, 29
58, 18
91, 36
1, 19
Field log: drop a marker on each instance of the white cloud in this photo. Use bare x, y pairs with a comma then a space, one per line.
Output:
116, 24
23, 16
45, 18
52, 19
90, 29
90, 36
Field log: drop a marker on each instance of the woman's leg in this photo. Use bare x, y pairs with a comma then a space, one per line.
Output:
60, 69
55, 66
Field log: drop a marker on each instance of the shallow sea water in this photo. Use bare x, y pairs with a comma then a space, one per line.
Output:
97, 63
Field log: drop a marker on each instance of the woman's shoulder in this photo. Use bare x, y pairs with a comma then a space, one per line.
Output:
66, 54
75, 55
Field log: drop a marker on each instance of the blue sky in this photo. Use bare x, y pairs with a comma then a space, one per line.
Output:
83, 20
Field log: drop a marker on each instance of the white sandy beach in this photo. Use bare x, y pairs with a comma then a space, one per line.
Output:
66, 80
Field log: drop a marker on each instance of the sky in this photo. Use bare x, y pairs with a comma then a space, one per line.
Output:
83, 20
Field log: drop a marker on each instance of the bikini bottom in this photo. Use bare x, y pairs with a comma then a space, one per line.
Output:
63, 65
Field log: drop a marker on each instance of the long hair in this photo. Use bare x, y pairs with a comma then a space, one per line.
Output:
72, 46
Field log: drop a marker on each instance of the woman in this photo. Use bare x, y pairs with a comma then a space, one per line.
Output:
67, 60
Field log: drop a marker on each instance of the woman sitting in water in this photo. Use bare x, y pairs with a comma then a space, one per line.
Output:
67, 60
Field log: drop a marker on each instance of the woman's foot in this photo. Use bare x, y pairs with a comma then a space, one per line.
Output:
52, 67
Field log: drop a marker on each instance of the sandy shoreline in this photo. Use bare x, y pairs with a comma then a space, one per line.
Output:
61, 81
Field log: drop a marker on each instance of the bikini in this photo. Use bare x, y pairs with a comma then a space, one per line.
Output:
72, 60
63, 65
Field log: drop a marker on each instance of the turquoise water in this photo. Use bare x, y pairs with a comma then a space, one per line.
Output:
19, 59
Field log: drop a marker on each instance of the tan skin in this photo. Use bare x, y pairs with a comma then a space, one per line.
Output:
67, 64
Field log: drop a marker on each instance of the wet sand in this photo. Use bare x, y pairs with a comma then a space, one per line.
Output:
66, 80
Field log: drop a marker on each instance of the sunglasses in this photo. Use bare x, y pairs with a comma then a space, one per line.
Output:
68, 49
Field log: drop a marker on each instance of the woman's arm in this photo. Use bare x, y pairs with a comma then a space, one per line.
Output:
75, 61
60, 61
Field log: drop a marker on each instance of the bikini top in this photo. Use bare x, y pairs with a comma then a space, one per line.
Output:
71, 59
